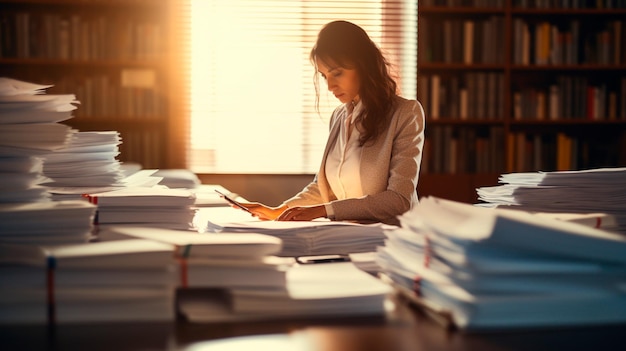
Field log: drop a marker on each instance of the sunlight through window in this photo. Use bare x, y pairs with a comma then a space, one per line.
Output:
252, 103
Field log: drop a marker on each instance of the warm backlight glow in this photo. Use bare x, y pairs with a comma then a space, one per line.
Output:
252, 93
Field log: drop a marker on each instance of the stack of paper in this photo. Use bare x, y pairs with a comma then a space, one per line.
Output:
310, 292
130, 280
46, 223
145, 206
216, 260
489, 269
178, 178
600, 191
89, 159
303, 238
141, 179
29, 129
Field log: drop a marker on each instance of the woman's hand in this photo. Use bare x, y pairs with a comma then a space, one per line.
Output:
303, 213
263, 212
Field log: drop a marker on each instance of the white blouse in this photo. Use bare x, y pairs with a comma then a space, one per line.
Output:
344, 160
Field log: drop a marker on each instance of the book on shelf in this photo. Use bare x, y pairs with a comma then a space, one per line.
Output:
473, 96
465, 150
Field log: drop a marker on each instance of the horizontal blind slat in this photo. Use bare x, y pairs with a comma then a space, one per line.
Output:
251, 77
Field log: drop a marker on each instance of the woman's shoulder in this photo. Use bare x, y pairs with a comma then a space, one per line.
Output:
402, 102
407, 106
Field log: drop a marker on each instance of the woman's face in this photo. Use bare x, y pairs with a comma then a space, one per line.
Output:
344, 83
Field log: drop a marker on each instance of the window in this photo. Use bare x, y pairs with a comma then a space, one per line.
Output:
252, 94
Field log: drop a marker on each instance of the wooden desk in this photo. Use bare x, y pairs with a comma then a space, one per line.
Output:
403, 330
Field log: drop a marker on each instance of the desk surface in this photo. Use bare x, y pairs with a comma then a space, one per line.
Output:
404, 329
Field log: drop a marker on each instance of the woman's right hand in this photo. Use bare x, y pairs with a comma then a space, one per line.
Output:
263, 212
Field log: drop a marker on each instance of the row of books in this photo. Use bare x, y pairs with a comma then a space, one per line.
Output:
469, 150
530, 4
145, 147
470, 96
463, 150
572, 97
462, 41
569, 4
114, 96
479, 96
468, 3
545, 43
558, 151
78, 37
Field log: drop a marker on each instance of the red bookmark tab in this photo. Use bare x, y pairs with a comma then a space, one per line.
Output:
184, 274
51, 303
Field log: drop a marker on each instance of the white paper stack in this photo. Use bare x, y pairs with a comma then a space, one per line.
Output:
29, 129
601, 190
88, 160
130, 280
317, 237
485, 268
156, 206
310, 292
46, 223
178, 178
207, 260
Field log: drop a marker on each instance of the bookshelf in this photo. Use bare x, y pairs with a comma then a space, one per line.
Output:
114, 55
519, 85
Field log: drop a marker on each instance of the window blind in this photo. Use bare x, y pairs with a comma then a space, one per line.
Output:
252, 98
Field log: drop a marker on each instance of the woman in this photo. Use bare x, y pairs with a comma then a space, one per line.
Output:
371, 162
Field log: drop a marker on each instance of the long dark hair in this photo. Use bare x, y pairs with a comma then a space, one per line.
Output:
349, 46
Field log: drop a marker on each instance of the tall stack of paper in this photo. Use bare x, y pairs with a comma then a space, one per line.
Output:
89, 159
130, 280
310, 291
300, 238
600, 191
216, 260
145, 206
29, 130
489, 269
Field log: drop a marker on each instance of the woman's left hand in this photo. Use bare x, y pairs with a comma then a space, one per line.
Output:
303, 213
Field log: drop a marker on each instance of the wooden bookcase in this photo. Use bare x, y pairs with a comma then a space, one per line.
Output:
116, 56
520, 85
